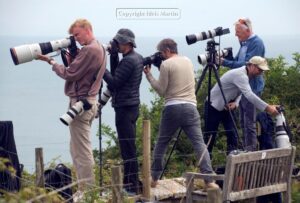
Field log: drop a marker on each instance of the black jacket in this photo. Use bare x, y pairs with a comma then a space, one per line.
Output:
124, 84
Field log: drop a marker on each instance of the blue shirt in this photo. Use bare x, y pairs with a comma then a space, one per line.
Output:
253, 46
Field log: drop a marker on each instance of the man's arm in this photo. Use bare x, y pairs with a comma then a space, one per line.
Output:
255, 48
77, 68
122, 74
160, 85
242, 83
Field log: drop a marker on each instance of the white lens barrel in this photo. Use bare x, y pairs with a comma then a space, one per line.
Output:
26, 53
66, 119
202, 59
105, 96
282, 140
59, 44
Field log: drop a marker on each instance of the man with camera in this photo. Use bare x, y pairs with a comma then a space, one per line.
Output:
83, 79
176, 84
251, 45
124, 84
234, 84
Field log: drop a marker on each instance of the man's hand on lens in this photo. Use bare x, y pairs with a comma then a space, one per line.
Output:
46, 58
272, 110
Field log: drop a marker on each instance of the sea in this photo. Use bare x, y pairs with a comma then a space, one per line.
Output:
32, 95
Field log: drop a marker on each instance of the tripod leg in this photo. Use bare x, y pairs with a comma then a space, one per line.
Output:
100, 142
169, 157
201, 79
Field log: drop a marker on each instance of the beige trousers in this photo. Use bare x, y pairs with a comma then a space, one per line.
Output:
80, 145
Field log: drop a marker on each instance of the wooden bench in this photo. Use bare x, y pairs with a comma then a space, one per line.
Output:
249, 175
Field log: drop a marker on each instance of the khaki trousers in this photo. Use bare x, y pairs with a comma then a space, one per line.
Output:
80, 145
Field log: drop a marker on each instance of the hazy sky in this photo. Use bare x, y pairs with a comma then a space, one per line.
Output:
169, 17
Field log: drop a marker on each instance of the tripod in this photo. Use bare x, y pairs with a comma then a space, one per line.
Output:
210, 67
100, 141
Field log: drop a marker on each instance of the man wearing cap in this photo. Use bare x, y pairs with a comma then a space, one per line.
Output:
124, 83
234, 83
251, 45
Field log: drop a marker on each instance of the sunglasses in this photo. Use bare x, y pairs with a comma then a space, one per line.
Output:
242, 21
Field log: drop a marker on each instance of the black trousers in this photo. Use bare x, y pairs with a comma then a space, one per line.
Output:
126, 118
212, 125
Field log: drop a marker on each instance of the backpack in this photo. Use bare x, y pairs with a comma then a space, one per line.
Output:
57, 178
265, 139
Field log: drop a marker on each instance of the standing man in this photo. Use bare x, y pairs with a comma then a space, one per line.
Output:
234, 83
124, 83
83, 78
251, 45
176, 84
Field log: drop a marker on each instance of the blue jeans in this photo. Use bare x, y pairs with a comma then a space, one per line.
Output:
248, 124
187, 117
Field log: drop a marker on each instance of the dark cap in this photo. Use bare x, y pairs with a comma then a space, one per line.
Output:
125, 36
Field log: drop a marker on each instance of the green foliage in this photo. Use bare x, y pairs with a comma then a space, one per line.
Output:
30, 193
5, 164
296, 191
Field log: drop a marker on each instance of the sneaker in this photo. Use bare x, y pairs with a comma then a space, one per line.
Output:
78, 196
211, 185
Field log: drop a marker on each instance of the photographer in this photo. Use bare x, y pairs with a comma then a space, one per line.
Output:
251, 45
234, 83
176, 84
124, 83
83, 78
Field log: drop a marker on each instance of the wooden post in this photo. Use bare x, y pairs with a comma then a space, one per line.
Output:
214, 195
146, 160
116, 181
189, 188
39, 167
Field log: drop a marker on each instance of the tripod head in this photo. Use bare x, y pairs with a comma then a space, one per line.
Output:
210, 55
211, 50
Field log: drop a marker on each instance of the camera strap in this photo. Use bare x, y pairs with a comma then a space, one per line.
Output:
97, 75
96, 78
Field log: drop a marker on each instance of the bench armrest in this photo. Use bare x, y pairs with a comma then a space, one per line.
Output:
204, 176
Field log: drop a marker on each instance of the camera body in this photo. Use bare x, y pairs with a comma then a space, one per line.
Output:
205, 58
77, 108
29, 52
112, 47
155, 59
